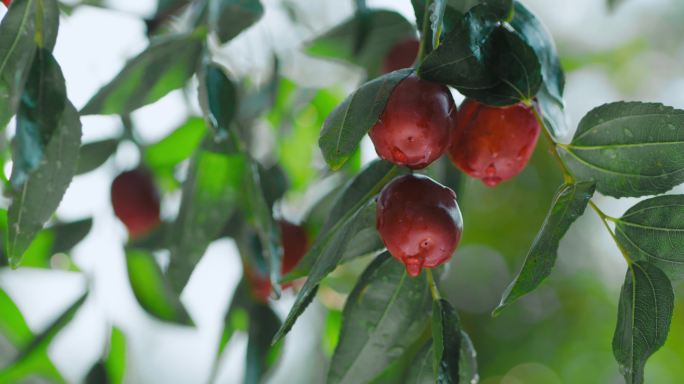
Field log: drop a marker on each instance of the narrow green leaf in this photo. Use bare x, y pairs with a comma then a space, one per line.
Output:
97, 374
644, 316
354, 195
421, 371
260, 213
568, 204
499, 9
630, 149
39, 192
437, 20
382, 316
219, 99
18, 47
364, 39
261, 355
94, 154
447, 339
177, 146
230, 17
12, 323
210, 193
68, 235
148, 77
653, 231
115, 361
33, 358
154, 294
349, 122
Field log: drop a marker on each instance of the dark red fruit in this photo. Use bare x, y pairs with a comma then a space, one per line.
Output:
135, 200
419, 222
414, 128
295, 243
493, 144
7, 2
402, 55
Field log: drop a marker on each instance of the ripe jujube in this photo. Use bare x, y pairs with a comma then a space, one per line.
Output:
419, 221
415, 125
135, 200
493, 143
402, 55
295, 243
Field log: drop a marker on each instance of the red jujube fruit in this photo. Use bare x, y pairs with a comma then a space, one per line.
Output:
402, 55
493, 144
7, 2
295, 243
135, 200
415, 125
419, 221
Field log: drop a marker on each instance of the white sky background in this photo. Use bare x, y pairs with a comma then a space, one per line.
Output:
92, 47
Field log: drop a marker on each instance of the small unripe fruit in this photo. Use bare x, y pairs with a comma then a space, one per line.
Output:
491, 143
135, 200
295, 242
414, 128
419, 221
402, 55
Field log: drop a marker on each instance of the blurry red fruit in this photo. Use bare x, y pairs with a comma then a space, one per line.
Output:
135, 200
402, 55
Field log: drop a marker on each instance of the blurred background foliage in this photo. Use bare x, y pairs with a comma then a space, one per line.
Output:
560, 334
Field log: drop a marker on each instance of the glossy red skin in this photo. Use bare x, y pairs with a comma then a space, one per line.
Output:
135, 200
415, 126
419, 221
402, 55
295, 243
493, 144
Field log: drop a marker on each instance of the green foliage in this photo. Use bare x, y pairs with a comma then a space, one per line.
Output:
644, 315
177, 146
452, 351
18, 44
351, 120
364, 39
153, 292
568, 205
148, 77
218, 95
227, 18
49, 151
652, 231
382, 317
629, 149
93, 155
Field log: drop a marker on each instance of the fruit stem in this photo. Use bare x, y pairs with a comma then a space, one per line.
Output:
424, 38
433, 286
605, 218
567, 176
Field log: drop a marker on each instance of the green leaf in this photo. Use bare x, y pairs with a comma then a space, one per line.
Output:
461, 60
33, 358
94, 154
550, 97
644, 316
382, 316
354, 196
154, 294
653, 231
148, 77
68, 235
97, 374
421, 367
568, 204
261, 215
115, 361
210, 193
177, 146
630, 149
420, 371
230, 17
364, 39
499, 9
12, 323
18, 47
219, 98
39, 193
40, 111
261, 355
447, 339
349, 122
515, 65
